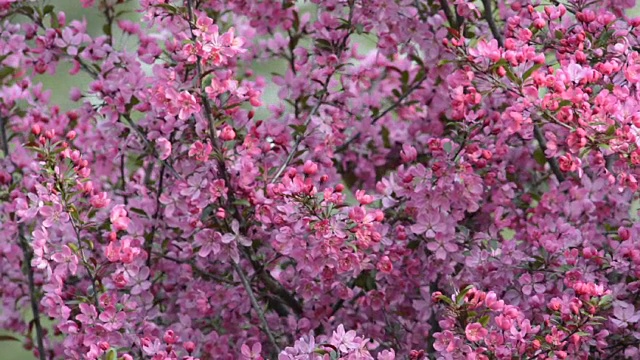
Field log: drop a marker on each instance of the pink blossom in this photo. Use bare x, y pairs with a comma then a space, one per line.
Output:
119, 219
475, 332
164, 148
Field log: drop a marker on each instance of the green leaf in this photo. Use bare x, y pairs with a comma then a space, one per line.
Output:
73, 247
538, 155
366, 280
385, 137
528, 73
8, 338
55, 23
462, 294
296, 21
112, 354
324, 44
6, 71
605, 301
47, 9
611, 130
138, 211
299, 129
413, 244
564, 103
170, 8
242, 202
512, 76
106, 29
448, 147
404, 77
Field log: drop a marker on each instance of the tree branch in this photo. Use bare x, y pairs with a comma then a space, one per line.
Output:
375, 119
492, 24
454, 21
256, 307
28, 257
553, 163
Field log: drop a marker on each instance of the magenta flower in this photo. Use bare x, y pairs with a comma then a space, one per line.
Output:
54, 215
475, 332
119, 219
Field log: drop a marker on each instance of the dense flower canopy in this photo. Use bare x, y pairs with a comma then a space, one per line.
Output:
436, 179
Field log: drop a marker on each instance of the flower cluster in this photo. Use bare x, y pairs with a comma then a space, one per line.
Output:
415, 179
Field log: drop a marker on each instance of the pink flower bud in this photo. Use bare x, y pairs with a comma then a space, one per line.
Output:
408, 153
624, 233
170, 337
36, 129
227, 133
310, 168
190, 346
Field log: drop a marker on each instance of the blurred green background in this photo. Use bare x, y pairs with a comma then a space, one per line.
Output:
62, 83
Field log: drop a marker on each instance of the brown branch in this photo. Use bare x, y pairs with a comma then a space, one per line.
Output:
553, 163
148, 244
375, 119
454, 21
492, 24
28, 257
256, 306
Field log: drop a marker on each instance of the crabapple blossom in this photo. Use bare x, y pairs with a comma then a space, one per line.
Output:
414, 180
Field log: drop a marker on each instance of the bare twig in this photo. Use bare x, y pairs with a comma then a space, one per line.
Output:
492, 23
391, 107
148, 244
256, 307
454, 21
297, 143
553, 163
149, 145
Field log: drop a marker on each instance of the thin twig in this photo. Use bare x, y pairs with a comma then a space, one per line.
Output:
28, 257
553, 163
207, 107
375, 119
149, 242
196, 269
297, 143
488, 15
125, 199
448, 13
149, 145
271, 284
92, 276
256, 306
